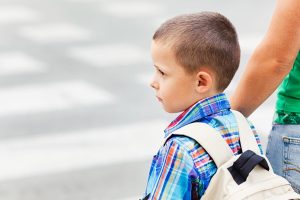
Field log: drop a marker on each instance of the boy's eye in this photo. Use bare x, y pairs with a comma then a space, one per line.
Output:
161, 72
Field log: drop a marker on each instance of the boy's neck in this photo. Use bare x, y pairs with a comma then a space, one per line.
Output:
210, 94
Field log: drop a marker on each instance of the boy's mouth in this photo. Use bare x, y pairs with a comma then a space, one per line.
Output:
159, 99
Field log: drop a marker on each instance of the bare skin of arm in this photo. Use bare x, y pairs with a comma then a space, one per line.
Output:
272, 60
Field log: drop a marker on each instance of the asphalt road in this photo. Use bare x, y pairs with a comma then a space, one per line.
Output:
78, 120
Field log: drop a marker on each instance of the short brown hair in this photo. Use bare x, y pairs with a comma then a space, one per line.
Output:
203, 39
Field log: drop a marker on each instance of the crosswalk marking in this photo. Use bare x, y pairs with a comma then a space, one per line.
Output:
19, 62
75, 150
16, 14
51, 96
131, 8
69, 165
108, 55
59, 32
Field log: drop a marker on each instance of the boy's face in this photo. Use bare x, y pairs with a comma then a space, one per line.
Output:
175, 88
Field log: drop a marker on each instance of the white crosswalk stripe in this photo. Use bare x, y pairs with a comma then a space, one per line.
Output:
59, 32
19, 63
66, 93
17, 14
108, 55
67, 151
52, 96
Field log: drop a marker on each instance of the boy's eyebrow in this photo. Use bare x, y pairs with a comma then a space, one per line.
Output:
163, 69
158, 67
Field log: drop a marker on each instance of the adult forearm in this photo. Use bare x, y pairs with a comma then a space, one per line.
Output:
262, 76
272, 60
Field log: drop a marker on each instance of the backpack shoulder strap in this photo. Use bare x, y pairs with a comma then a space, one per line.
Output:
247, 138
209, 139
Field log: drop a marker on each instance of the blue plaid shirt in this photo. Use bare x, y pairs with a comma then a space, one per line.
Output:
182, 169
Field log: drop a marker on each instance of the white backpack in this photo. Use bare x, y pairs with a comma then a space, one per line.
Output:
246, 176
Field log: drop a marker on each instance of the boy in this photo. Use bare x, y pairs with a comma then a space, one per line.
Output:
195, 57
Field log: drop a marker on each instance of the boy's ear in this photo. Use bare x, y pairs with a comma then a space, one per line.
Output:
204, 82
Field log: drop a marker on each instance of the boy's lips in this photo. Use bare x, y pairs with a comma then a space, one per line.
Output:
159, 99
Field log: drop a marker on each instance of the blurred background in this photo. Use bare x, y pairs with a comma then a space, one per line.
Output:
78, 120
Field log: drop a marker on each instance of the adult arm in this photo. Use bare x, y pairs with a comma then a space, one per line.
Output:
272, 60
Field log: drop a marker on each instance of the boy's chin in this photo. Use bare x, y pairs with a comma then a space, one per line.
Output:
172, 110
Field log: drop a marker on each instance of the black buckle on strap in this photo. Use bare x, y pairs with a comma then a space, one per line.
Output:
242, 167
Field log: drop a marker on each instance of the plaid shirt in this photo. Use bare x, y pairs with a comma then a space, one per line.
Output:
182, 169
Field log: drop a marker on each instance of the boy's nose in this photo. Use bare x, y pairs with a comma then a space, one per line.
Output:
154, 85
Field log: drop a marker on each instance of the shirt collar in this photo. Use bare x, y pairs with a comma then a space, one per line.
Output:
199, 110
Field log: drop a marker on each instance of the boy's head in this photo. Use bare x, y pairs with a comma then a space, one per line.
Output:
195, 56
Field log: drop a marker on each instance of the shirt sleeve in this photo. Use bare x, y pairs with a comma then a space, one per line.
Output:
256, 136
169, 174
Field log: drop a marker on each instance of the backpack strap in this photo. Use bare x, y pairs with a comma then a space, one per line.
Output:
247, 138
209, 139
242, 167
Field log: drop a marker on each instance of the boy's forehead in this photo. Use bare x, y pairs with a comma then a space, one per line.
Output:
163, 57
162, 47
166, 43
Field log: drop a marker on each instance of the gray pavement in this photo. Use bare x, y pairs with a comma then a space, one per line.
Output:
74, 80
